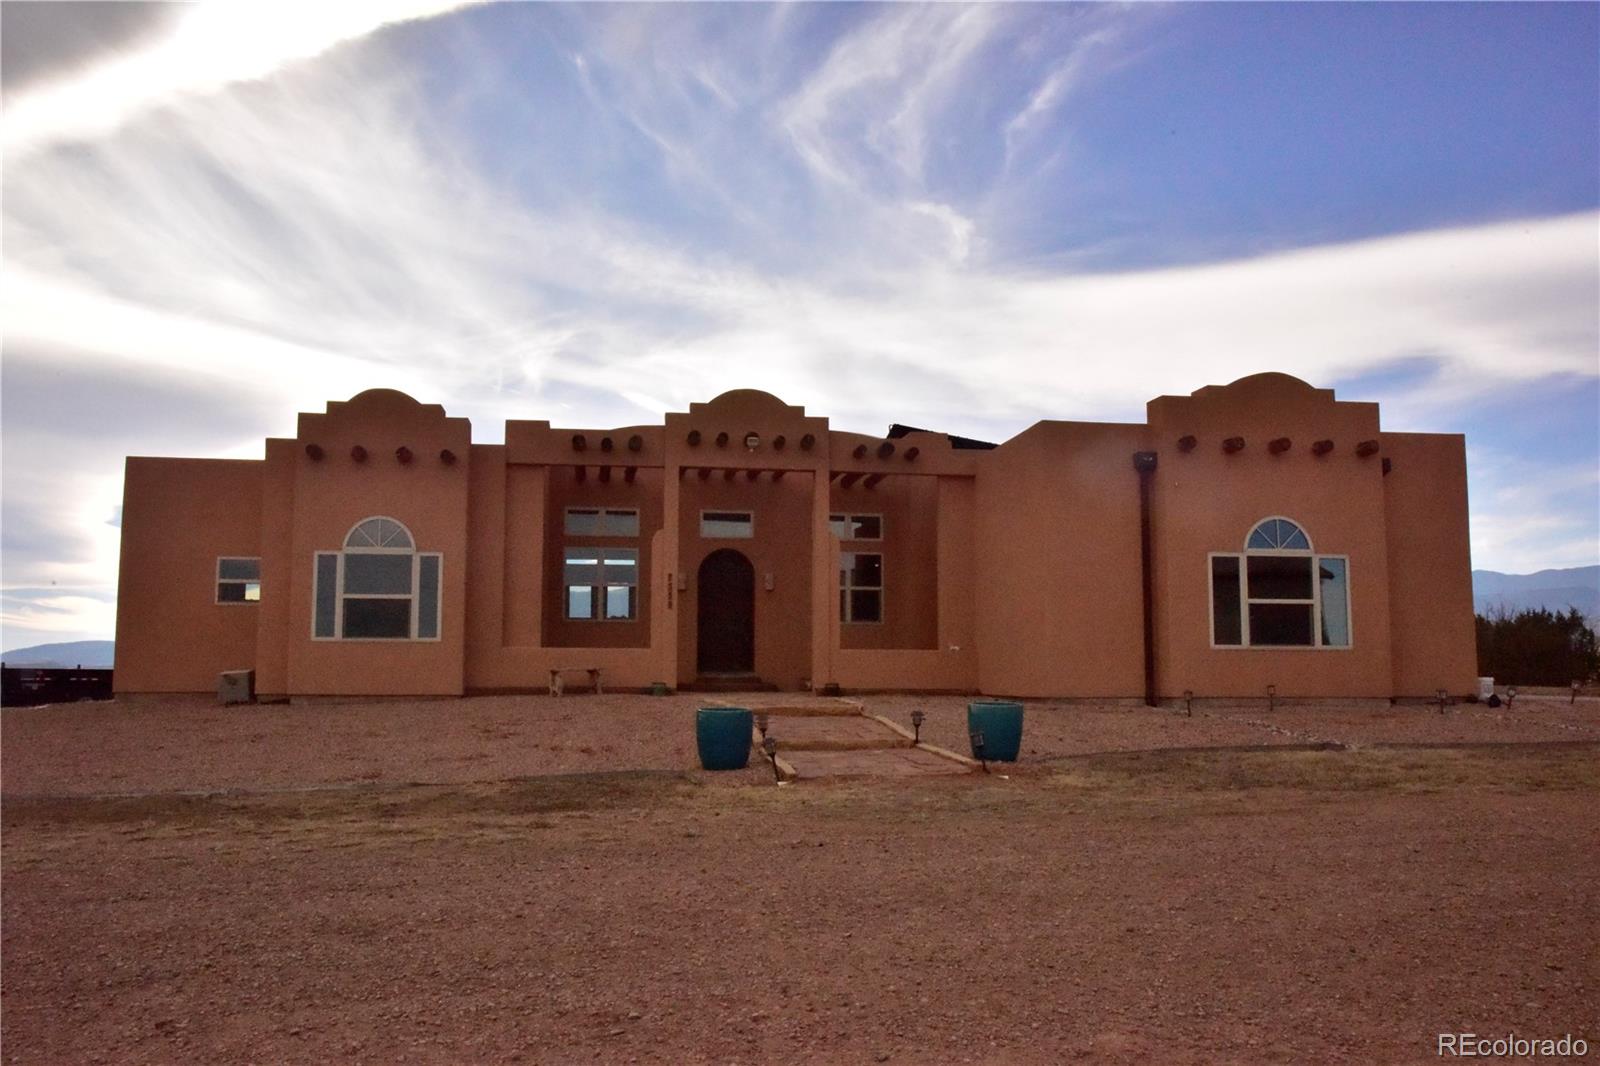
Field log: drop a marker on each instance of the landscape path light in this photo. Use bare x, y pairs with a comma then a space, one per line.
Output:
917, 718
1188, 702
1443, 697
1575, 686
1272, 697
976, 736
761, 723
770, 746
1511, 695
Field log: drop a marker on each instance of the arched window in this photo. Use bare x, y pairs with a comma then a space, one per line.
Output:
379, 532
1277, 534
1277, 593
378, 588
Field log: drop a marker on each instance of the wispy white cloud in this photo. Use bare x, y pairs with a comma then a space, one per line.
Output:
211, 46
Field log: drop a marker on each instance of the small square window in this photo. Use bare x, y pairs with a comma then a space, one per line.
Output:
238, 579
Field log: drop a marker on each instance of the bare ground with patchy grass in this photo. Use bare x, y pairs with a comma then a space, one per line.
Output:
190, 743
1108, 901
1264, 906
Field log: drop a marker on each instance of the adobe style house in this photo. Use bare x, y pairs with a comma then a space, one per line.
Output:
1254, 534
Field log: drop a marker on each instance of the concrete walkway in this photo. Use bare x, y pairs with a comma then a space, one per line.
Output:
822, 738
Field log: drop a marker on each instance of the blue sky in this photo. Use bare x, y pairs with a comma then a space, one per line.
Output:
965, 217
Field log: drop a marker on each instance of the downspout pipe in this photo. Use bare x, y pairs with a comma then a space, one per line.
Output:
1145, 464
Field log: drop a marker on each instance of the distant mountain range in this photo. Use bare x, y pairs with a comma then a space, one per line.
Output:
90, 654
1555, 590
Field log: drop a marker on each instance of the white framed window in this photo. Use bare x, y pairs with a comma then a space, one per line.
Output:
601, 584
602, 522
238, 579
856, 526
727, 525
379, 587
860, 587
1278, 593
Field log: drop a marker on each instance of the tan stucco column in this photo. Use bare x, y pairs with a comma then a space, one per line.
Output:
824, 584
664, 592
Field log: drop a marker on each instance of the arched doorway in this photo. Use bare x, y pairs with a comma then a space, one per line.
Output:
727, 614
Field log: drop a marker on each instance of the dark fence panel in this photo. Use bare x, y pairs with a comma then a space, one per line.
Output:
25, 687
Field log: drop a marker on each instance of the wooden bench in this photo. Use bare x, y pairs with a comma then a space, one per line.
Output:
558, 686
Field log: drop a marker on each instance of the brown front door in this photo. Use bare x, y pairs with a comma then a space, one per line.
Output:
727, 613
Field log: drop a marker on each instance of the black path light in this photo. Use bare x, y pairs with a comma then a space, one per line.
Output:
769, 745
917, 718
1188, 702
1272, 697
1511, 695
1443, 697
976, 736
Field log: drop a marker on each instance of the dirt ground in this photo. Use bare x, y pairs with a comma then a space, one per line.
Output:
578, 893
191, 743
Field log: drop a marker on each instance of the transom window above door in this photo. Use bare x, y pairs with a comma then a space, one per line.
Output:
727, 525
602, 522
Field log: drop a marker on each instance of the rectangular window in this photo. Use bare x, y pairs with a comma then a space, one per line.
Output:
359, 595
366, 618
860, 587
1279, 577
1283, 624
1264, 600
1226, 627
1334, 600
602, 583
428, 592
856, 526
326, 596
602, 522
727, 525
377, 575
238, 579
376, 604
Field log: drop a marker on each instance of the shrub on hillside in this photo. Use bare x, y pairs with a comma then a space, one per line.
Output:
1537, 647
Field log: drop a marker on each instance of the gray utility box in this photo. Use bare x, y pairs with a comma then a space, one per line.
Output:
236, 686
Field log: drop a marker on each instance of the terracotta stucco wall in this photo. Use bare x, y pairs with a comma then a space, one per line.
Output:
781, 548
909, 507
427, 495
178, 516
277, 569
951, 664
1208, 500
1057, 570
565, 490
1015, 571
1430, 564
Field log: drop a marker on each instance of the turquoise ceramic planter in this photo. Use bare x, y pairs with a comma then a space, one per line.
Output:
1000, 722
723, 736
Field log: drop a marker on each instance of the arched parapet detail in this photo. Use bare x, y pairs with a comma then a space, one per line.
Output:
382, 421
1262, 407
